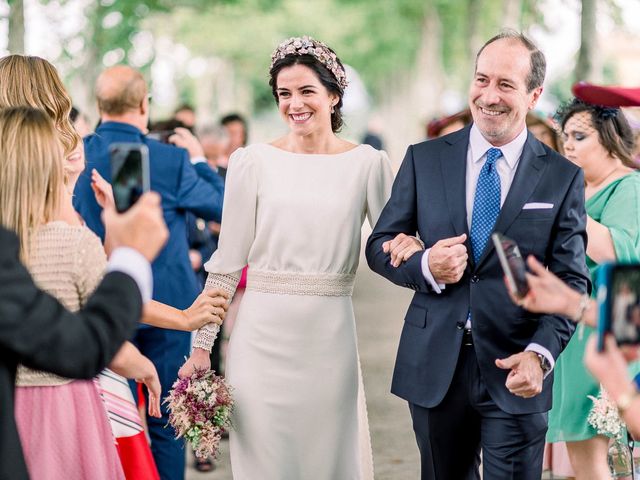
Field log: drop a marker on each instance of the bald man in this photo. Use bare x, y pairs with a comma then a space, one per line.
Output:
186, 184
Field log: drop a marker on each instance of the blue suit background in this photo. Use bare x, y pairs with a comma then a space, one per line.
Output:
184, 188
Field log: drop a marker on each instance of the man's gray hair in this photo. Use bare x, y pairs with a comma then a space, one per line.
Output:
538, 70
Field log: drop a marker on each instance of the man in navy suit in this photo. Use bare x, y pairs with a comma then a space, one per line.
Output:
475, 368
185, 185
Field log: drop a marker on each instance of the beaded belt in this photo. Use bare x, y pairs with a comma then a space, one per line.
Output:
294, 283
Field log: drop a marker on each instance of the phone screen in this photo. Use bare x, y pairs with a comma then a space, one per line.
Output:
129, 173
515, 270
624, 304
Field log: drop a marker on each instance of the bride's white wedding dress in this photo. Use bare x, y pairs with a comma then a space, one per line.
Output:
292, 361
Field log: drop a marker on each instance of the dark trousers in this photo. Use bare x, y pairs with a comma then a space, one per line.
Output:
451, 435
167, 350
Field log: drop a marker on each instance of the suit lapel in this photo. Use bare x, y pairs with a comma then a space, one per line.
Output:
453, 164
530, 170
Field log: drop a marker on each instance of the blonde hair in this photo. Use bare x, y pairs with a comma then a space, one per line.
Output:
31, 173
34, 82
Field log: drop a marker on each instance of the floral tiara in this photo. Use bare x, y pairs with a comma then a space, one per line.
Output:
309, 46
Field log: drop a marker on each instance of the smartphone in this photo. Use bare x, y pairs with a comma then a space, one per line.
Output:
618, 297
512, 263
129, 173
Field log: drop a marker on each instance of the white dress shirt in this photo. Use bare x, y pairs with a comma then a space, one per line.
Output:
506, 165
133, 263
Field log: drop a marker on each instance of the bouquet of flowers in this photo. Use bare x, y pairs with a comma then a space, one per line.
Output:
199, 409
604, 417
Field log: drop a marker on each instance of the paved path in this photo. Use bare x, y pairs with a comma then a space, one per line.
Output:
379, 308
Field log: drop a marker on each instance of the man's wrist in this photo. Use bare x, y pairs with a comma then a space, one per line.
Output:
543, 357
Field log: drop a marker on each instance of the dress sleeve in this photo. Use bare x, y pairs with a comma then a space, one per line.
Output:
378, 186
237, 233
621, 216
90, 264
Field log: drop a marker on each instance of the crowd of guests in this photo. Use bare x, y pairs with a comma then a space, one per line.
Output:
171, 264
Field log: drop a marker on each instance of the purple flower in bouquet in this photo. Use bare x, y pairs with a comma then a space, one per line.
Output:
200, 409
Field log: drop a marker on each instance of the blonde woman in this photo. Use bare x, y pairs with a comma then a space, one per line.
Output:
34, 82
62, 423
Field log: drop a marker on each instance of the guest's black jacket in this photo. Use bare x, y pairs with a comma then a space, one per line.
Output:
37, 331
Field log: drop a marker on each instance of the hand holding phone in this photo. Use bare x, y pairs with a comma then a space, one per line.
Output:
618, 298
512, 264
129, 173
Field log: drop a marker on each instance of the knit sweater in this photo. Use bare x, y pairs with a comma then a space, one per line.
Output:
68, 262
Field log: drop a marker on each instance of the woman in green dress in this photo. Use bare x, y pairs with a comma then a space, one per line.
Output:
600, 141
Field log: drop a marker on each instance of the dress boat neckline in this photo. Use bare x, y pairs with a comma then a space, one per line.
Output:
314, 154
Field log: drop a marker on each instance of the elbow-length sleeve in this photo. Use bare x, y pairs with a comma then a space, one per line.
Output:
237, 232
90, 265
378, 187
621, 216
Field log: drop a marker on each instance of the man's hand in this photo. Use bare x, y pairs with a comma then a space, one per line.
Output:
210, 307
526, 375
199, 360
195, 257
141, 227
402, 248
187, 140
448, 259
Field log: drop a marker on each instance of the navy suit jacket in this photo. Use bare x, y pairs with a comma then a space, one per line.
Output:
428, 197
183, 188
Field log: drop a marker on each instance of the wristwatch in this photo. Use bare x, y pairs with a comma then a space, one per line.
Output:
544, 363
626, 399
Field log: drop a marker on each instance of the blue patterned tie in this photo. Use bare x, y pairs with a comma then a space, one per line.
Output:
486, 204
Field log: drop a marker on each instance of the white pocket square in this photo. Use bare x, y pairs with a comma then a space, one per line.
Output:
537, 206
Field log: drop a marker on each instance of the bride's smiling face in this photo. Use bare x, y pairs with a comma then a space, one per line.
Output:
304, 102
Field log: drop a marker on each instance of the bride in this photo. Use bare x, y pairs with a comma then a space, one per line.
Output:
293, 212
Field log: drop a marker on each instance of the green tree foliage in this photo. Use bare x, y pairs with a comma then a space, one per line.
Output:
379, 38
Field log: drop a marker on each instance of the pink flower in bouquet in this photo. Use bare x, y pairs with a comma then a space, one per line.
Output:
200, 409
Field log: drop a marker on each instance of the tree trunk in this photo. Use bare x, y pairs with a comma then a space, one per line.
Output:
16, 26
512, 14
587, 65
429, 77
474, 17
417, 94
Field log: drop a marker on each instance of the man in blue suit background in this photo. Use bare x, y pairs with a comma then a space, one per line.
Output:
475, 368
185, 185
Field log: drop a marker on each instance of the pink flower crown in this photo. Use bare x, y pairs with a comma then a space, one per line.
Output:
309, 46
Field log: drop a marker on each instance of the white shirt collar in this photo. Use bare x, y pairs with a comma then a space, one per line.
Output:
511, 151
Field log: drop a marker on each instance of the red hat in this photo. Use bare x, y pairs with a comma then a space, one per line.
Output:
607, 96
435, 126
